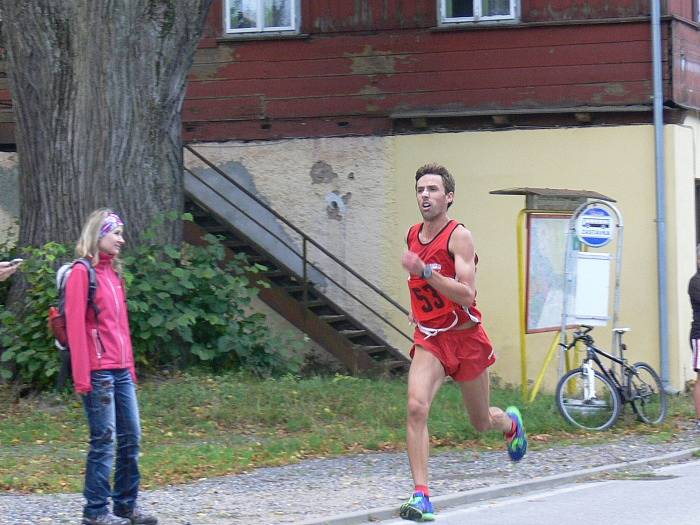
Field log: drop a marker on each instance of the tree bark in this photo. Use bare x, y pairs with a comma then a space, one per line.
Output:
98, 88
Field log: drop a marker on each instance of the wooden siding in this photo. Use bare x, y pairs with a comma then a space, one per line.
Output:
686, 65
552, 10
327, 16
351, 83
360, 62
682, 8
7, 117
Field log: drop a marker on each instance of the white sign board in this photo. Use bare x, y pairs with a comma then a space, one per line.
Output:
591, 299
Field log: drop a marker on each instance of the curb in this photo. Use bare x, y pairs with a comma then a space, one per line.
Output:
500, 491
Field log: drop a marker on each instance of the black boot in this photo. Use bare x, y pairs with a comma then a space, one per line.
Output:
106, 519
137, 517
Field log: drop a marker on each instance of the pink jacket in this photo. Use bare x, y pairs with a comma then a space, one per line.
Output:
112, 349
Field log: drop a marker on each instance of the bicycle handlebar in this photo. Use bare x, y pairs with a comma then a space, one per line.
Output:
578, 335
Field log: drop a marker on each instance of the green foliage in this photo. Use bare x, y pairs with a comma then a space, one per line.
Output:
8, 251
29, 348
187, 307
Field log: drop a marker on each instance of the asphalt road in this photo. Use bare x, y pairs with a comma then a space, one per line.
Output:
664, 496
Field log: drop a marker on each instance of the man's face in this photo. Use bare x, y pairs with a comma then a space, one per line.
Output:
431, 196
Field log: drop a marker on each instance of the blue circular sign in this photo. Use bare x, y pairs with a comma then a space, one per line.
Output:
595, 227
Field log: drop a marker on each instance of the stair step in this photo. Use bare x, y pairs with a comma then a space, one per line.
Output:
292, 288
215, 228
353, 333
332, 318
371, 350
395, 365
275, 272
235, 243
315, 302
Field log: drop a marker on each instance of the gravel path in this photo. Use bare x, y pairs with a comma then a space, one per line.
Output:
324, 487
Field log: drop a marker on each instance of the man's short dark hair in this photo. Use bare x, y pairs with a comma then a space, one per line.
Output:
436, 169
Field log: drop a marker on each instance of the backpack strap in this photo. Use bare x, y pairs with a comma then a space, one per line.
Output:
92, 283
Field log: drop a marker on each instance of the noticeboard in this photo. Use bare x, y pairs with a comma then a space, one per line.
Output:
546, 247
592, 289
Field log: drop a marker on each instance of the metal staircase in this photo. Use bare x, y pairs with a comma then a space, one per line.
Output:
295, 285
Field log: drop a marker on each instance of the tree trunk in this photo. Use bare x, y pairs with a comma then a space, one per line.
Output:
98, 89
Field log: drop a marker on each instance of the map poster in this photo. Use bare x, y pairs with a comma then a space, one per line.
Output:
546, 246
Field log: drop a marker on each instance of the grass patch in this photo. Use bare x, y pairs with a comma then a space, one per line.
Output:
197, 426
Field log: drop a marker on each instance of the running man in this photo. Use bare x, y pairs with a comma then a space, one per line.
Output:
449, 339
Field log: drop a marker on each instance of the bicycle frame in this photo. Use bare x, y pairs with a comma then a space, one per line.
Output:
592, 354
637, 384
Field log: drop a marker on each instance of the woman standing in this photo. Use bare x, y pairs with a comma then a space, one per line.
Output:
104, 375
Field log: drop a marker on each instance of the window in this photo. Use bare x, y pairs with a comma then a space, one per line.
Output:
256, 16
455, 11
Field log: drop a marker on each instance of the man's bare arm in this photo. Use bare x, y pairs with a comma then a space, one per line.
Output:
461, 289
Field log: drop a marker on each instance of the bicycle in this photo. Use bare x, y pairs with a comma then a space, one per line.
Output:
592, 398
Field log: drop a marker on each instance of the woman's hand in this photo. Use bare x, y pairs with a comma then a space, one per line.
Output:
7, 269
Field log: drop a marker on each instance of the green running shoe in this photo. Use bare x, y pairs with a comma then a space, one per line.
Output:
417, 508
517, 443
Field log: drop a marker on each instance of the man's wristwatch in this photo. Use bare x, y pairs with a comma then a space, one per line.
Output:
427, 272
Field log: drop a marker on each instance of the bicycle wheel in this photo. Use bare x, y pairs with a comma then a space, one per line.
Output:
647, 395
598, 411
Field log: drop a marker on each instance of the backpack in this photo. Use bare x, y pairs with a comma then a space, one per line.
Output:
57, 313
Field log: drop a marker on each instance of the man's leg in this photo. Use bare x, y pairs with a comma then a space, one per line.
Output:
424, 379
475, 394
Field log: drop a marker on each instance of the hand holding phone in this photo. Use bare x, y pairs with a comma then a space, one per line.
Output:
15, 262
7, 269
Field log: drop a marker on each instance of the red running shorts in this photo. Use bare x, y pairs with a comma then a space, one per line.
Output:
464, 354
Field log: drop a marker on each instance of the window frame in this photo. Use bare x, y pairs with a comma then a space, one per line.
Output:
259, 28
478, 18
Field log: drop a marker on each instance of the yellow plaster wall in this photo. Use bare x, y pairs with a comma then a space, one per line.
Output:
618, 162
682, 164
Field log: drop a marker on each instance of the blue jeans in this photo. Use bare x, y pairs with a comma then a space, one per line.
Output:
112, 412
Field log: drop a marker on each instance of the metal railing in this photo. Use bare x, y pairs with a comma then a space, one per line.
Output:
305, 241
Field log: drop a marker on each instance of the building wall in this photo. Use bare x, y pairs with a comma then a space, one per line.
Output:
551, 10
370, 179
685, 63
685, 167
615, 161
335, 190
682, 8
357, 83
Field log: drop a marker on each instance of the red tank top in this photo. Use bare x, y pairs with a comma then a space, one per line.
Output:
430, 307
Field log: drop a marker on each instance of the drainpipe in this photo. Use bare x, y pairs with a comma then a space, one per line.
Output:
660, 187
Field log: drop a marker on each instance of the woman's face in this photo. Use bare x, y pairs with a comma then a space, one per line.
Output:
112, 242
